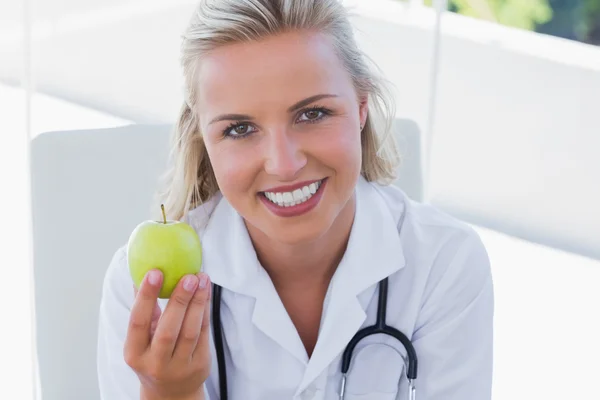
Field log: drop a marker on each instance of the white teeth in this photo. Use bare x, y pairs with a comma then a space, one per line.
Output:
287, 197
298, 196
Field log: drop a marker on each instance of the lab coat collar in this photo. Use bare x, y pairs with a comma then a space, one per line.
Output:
228, 255
374, 252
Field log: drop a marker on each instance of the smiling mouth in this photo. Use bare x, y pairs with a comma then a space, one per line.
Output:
298, 196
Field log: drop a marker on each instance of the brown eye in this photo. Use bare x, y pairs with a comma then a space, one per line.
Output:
313, 114
241, 129
238, 130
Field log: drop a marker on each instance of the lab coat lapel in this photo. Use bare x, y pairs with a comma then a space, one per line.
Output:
271, 317
228, 256
374, 252
231, 262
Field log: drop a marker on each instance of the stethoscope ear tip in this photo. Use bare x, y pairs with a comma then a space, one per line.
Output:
342, 386
412, 390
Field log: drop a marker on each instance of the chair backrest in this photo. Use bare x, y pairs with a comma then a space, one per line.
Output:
410, 173
90, 189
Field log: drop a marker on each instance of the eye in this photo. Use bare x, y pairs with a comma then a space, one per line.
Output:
238, 130
314, 114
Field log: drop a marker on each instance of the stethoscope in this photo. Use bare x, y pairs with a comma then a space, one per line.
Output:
380, 327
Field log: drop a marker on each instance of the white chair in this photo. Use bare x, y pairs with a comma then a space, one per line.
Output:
90, 189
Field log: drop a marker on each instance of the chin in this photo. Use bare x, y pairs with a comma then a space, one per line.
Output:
292, 231
299, 234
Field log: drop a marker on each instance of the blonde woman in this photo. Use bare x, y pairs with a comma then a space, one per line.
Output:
282, 164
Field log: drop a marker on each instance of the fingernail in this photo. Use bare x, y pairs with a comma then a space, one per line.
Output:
189, 283
203, 281
154, 278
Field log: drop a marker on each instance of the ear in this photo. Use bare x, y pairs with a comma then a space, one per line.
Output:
363, 109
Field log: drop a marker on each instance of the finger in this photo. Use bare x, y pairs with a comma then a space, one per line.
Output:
155, 314
192, 323
202, 347
155, 318
138, 332
169, 325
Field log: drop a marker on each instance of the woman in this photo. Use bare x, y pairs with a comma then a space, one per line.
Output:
282, 165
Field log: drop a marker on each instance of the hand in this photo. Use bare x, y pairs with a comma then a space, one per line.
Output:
170, 352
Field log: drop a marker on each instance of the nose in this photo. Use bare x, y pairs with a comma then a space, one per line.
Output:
284, 156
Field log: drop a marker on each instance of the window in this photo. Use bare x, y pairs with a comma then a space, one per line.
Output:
569, 19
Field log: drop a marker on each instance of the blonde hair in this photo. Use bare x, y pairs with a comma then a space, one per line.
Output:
190, 180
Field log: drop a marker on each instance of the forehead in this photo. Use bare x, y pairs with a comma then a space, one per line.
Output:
276, 72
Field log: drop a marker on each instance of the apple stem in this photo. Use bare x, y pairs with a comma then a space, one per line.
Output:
162, 207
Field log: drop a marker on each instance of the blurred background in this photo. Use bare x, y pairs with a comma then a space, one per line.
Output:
504, 97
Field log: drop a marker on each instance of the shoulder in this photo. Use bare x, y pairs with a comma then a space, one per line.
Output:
414, 218
445, 256
199, 216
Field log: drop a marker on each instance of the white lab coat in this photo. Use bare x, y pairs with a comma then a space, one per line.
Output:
440, 296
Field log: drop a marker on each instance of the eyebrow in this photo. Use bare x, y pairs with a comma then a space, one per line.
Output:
298, 105
309, 100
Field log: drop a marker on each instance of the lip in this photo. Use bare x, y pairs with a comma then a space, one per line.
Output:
298, 209
291, 188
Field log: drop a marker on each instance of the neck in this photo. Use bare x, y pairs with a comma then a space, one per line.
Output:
305, 265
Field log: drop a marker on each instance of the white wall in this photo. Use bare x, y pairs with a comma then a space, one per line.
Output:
517, 137
516, 126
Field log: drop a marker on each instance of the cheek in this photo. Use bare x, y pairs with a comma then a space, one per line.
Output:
234, 167
340, 149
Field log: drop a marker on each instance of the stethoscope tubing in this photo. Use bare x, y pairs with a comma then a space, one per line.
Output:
218, 338
380, 327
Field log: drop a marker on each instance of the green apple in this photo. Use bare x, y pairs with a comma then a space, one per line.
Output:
173, 247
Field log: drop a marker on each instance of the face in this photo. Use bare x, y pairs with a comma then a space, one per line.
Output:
281, 123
